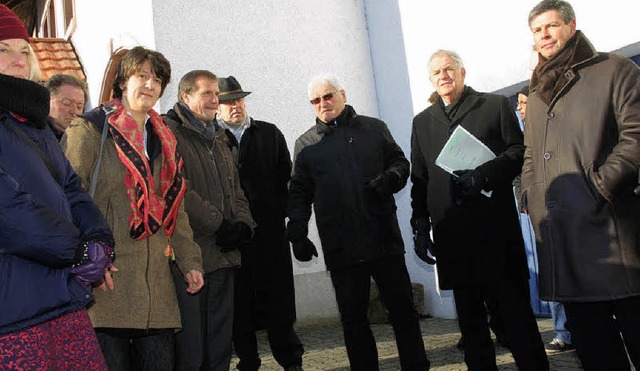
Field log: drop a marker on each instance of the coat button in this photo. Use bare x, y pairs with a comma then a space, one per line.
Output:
459, 202
547, 156
551, 115
551, 204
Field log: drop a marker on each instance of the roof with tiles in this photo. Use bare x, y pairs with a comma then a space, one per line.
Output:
57, 56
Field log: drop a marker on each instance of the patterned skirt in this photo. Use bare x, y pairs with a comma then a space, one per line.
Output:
65, 343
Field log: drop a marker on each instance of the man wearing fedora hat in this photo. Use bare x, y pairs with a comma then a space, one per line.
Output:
264, 292
221, 221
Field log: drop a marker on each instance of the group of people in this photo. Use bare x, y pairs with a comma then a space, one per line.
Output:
149, 241
183, 198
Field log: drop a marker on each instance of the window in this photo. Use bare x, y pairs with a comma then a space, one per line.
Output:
57, 19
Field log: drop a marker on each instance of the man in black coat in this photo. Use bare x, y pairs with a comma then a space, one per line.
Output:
348, 167
264, 292
478, 244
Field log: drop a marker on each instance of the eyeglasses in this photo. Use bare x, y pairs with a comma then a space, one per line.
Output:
327, 96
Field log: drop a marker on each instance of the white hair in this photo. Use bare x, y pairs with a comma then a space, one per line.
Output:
324, 79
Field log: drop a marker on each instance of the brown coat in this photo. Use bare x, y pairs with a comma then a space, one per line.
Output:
144, 295
580, 168
214, 192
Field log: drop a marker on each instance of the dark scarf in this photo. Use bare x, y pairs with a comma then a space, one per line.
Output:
550, 75
207, 129
452, 109
149, 211
25, 98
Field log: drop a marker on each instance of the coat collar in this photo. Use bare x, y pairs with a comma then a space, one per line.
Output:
469, 99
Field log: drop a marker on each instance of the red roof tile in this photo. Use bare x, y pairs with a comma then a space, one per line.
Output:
57, 56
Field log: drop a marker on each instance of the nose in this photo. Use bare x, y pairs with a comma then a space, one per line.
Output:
74, 110
20, 60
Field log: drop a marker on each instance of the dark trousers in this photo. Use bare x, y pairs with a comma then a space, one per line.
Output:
519, 323
602, 330
216, 311
129, 349
352, 286
285, 345
189, 345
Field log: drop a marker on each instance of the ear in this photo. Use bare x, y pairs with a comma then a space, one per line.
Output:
463, 72
185, 97
344, 95
572, 24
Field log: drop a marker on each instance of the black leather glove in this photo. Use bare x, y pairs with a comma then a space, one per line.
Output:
471, 181
385, 183
423, 245
303, 249
231, 236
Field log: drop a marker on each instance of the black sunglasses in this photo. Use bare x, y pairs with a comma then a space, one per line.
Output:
327, 96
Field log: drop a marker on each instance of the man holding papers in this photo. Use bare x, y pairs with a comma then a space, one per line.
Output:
463, 193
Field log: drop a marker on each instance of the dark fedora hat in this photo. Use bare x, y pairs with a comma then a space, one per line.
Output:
230, 89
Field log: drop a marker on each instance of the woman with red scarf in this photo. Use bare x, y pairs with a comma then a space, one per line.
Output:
139, 187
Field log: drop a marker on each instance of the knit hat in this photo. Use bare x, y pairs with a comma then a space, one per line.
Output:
11, 27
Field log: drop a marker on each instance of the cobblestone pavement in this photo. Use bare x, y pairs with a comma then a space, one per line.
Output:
324, 348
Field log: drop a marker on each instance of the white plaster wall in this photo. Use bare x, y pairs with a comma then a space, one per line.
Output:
102, 24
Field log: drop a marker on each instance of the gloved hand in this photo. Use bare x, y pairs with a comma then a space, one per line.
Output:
471, 181
384, 184
94, 258
303, 249
423, 245
231, 236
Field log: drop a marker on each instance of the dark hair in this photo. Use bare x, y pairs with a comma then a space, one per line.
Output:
133, 61
564, 9
187, 83
58, 80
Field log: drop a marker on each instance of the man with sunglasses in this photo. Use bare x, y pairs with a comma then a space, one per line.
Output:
68, 95
348, 166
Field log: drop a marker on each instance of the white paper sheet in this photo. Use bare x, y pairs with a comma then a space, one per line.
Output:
463, 151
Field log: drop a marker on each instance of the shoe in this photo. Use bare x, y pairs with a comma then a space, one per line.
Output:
558, 346
294, 368
460, 343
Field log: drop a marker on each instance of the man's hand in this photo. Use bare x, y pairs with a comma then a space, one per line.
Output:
471, 181
424, 246
303, 249
231, 235
385, 183
194, 281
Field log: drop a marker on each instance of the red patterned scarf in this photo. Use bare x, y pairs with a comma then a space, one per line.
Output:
149, 211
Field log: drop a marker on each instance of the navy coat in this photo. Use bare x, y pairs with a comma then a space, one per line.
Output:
42, 221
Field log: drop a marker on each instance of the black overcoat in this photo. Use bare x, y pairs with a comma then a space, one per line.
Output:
264, 163
478, 239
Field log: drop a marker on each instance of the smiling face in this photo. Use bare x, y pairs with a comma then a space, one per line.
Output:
447, 77
142, 90
551, 33
203, 101
328, 103
14, 58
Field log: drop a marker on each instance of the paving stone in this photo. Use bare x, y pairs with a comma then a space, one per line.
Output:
325, 351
